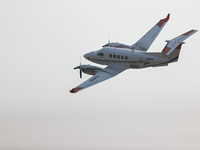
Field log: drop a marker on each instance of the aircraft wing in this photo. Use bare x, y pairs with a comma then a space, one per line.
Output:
110, 71
145, 42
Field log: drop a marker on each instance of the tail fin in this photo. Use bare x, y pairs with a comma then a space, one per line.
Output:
145, 42
172, 48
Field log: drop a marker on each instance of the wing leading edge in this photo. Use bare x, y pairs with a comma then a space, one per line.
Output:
110, 71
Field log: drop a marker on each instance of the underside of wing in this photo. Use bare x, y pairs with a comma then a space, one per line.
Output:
110, 71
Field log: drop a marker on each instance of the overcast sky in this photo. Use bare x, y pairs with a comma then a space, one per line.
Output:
42, 41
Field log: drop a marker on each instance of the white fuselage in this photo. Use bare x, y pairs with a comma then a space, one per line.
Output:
125, 57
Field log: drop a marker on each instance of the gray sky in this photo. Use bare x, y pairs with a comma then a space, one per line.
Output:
42, 41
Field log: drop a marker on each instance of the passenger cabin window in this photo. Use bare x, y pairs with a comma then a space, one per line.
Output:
118, 56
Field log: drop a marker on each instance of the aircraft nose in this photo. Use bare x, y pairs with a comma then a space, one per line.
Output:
86, 56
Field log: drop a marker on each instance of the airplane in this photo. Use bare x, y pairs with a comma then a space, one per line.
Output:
120, 57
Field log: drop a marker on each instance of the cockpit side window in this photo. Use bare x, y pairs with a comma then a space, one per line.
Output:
100, 54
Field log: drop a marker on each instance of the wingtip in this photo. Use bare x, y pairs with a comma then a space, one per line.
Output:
189, 32
74, 90
162, 21
167, 18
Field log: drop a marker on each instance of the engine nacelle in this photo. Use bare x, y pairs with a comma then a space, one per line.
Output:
88, 69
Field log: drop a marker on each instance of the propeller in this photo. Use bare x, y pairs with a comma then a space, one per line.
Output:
80, 72
79, 67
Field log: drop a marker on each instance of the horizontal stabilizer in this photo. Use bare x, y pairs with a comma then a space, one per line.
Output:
176, 42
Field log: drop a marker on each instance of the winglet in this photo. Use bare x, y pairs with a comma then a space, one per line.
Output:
161, 22
74, 90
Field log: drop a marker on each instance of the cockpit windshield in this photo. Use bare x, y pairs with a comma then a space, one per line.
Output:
105, 45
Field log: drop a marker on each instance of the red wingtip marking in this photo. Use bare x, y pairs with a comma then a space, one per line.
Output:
188, 32
74, 90
161, 22
167, 50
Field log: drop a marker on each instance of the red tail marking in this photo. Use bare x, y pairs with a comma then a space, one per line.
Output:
74, 90
164, 48
188, 32
179, 46
161, 22
167, 50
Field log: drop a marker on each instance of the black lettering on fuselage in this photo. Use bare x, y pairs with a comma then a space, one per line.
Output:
151, 59
134, 66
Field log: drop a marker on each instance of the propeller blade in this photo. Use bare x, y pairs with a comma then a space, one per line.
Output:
80, 69
80, 73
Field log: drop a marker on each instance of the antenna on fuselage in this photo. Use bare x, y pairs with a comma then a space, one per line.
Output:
108, 38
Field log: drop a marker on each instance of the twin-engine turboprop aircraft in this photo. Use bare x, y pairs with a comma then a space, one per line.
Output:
120, 57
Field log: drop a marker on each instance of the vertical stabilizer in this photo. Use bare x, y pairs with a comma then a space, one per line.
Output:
145, 42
